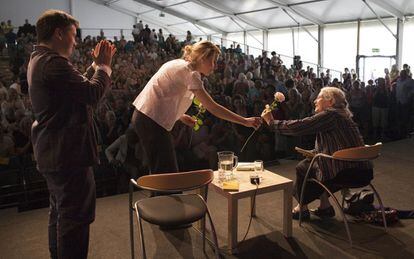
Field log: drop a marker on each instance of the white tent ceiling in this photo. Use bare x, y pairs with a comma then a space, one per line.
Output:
204, 17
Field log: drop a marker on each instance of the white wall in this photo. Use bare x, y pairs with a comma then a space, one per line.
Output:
254, 39
235, 37
280, 40
340, 46
306, 47
374, 35
90, 15
19, 10
408, 44
93, 17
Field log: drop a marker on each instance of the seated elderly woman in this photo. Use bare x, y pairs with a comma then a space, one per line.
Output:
335, 130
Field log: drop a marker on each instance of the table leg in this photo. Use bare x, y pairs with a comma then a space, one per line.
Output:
252, 202
287, 210
232, 224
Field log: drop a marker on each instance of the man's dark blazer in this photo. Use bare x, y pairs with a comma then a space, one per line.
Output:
63, 134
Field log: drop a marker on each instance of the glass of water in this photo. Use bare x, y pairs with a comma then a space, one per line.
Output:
221, 174
258, 166
258, 169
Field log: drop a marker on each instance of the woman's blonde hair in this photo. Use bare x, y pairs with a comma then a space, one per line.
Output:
199, 51
338, 97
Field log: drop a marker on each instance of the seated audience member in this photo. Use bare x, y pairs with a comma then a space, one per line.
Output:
307, 103
6, 148
13, 101
222, 136
254, 92
202, 147
239, 105
241, 86
22, 136
126, 156
182, 135
250, 82
316, 88
110, 128
294, 105
335, 130
3, 95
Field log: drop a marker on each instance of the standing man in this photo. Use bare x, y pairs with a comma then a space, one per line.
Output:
135, 33
404, 94
63, 135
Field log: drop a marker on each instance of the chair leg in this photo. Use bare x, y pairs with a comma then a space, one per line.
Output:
203, 229
213, 230
141, 233
203, 220
381, 206
131, 220
343, 198
339, 207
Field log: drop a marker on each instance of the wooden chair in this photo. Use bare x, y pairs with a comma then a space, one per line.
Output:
173, 210
355, 154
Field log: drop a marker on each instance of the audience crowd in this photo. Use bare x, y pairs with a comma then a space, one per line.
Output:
383, 108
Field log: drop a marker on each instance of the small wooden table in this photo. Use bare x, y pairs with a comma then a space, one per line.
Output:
270, 182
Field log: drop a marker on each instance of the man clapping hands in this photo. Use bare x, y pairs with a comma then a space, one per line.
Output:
63, 136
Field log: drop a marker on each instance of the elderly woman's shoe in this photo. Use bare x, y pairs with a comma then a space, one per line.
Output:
305, 215
324, 213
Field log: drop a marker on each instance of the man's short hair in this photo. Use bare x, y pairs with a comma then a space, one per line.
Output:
289, 83
403, 74
50, 20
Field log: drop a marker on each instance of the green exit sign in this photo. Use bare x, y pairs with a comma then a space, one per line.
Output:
375, 50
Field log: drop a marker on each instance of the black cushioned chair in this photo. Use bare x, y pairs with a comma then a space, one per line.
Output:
172, 210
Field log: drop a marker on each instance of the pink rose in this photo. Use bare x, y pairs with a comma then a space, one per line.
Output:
279, 97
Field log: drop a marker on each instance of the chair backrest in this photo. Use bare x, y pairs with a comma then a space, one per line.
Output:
366, 152
182, 181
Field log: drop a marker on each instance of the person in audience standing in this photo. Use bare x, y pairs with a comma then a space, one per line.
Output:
380, 106
335, 130
357, 100
166, 98
63, 136
135, 33
404, 95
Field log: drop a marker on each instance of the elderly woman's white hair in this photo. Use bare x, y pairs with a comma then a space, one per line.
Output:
338, 97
